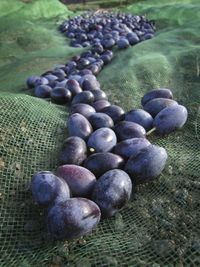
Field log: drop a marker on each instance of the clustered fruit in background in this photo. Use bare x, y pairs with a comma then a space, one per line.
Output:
107, 153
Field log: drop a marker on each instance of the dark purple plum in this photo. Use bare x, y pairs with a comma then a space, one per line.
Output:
102, 140
50, 77
128, 129
73, 218
112, 191
74, 151
92, 81
100, 104
130, 147
59, 73
73, 86
99, 163
132, 38
123, 43
114, 111
108, 43
146, 165
34, 81
91, 84
85, 72
156, 93
60, 95
99, 95
155, 105
84, 109
141, 117
47, 188
79, 126
43, 91
170, 119
80, 180
97, 48
61, 83
85, 97
95, 69
100, 120
106, 59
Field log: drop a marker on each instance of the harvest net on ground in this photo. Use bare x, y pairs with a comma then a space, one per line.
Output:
160, 225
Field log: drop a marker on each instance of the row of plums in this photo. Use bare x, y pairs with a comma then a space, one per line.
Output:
106, 154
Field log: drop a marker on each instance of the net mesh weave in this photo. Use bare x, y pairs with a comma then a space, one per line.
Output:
160, 225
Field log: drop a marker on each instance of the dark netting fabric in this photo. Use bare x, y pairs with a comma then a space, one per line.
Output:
160, 225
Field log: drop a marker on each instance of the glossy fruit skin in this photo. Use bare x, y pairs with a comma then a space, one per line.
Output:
141, 117
99, 95
80, 180
123, 43
73, 218
112, 191
84, 109
43, 91
100, 104
132, 38
99, 163
85, 97
146, 165
156, 93
115, 112
47, 188
128, 129
61, 95
34, 81
155, 105
170, 119
130, 147
73, 86
79, 126
74, 151
102, 140
100, 120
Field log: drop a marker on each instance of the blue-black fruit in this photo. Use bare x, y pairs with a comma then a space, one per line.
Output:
128, 129
73, 218
141, 117
80, 180
47, 188
100, 104
43, 91
61, 95
100, 120
156, 93
34, 81
155, 105
112, 191
102, 140
170, 119
114, 111
146, 165
74, 151
99, 163
73, 86
130, 147
79, 126
85, 97
84, 109
123, 43
99, 95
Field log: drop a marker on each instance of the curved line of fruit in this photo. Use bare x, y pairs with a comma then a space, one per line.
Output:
110, 144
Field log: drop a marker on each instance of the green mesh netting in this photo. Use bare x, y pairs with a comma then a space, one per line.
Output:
160, 226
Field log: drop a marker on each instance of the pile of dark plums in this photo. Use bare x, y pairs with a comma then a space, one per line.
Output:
107, 153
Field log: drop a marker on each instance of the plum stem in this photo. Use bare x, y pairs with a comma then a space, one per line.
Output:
151, 131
